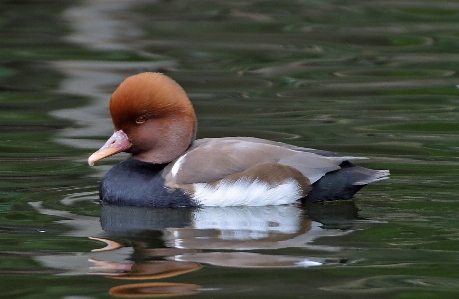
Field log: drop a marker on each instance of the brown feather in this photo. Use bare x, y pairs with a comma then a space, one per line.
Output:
169, 125
152, 95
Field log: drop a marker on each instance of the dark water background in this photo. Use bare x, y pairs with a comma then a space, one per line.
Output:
363, 78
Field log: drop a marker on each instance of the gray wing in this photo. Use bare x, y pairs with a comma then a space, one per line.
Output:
210, 160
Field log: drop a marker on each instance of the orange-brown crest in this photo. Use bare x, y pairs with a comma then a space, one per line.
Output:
152, 95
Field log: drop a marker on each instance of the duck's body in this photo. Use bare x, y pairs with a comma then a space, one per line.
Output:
155, 122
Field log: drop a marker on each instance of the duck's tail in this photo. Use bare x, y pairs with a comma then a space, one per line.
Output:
372, 176
344, 182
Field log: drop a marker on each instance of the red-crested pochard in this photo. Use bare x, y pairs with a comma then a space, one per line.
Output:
155, 122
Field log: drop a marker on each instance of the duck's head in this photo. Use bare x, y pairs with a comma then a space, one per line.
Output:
153, 118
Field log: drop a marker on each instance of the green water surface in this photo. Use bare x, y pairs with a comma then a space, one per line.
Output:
362, 78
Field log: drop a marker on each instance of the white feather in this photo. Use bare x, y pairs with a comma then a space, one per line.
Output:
247, 193
177, 165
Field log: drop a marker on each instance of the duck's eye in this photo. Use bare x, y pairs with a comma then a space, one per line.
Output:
140, 120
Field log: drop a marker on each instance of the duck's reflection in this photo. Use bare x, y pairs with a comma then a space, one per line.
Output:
226, 234
154, 289
148, 244
142, 270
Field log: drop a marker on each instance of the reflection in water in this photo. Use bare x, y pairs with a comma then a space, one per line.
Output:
169, 242
247, 223
230, 228
111, 245
154, 289
142, 270
386, 284
215, 235
95, 26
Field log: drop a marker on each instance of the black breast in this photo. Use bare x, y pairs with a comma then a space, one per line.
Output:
136, 183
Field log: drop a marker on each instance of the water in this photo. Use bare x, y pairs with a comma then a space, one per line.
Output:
365, 78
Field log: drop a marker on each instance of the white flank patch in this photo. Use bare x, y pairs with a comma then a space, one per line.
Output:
177, 165
246, 193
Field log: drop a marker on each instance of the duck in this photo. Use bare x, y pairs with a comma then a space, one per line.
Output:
155, 122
